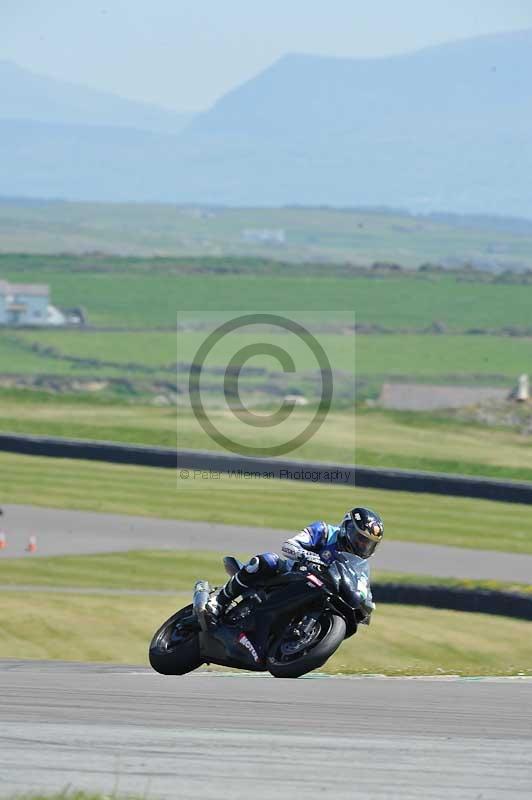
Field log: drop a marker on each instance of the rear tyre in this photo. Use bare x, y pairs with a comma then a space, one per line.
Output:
291, 656
174, 649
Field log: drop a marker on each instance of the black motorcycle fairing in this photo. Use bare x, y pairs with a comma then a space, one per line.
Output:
243, 637
344, 576
230, 647
246, 645
341, 576
348, 586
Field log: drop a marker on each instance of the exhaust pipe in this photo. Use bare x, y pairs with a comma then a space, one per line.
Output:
199, 601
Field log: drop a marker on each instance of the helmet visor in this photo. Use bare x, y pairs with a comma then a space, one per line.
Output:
362, 543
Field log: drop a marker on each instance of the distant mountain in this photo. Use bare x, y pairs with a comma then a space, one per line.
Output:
28, 96
448, 128
81, 162
313, 95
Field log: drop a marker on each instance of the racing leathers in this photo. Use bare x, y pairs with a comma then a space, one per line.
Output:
317, 543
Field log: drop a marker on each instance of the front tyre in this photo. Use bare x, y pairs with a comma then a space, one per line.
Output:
174, 649
299, 650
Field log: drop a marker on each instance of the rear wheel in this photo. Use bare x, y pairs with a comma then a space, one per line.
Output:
174, 649
305, 645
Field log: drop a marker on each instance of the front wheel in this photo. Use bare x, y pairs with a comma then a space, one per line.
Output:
174, 649
303, 646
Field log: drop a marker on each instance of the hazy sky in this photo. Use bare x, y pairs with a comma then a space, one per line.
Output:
186, 53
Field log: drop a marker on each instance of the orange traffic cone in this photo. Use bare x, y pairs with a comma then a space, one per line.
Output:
3, 541
31, 547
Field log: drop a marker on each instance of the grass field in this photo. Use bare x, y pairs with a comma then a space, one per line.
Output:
90, 486
43, 626
436, 358
366, 436
123, 294
333, 234
164, 570
20, 360
147, 294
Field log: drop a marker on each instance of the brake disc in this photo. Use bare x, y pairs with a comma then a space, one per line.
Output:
295, 645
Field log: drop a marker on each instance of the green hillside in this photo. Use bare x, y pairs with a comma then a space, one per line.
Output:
310, 234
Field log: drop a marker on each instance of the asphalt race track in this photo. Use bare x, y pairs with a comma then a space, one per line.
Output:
123, 729
104, 727
62, 532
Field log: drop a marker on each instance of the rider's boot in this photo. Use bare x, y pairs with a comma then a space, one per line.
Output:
218, 604
247, 577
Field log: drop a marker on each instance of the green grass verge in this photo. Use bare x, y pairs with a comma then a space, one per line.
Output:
62, 483
156, 570
409, 640
374, 438
144, 570
401, 640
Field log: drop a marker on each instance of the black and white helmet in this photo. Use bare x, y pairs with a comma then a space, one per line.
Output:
360, 532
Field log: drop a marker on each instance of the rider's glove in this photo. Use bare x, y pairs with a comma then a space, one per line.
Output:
311, 558
295, 552
292, 551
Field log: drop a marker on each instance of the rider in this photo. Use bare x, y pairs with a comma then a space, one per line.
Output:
359, 533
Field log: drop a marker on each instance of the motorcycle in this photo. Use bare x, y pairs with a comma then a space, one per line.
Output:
288, 626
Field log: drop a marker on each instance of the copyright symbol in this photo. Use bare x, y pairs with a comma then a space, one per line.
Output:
184, 474
232, 375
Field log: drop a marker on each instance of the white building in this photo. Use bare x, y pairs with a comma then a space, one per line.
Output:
27, 304
275, 236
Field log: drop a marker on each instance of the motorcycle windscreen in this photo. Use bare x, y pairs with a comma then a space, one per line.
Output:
351, 569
